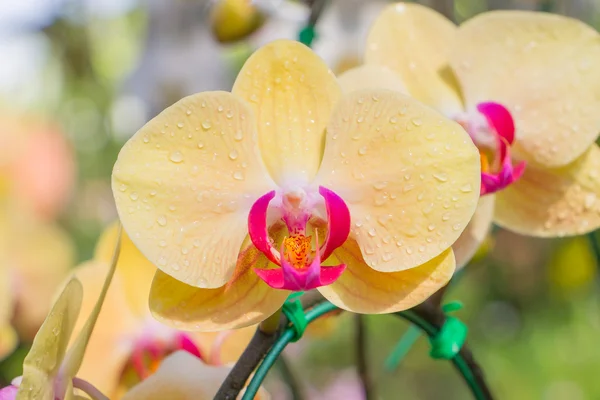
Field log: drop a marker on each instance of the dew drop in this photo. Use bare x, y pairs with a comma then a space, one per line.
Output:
200, 145
233, 154
161, 220
409, 250
184, 250
133, 196
180, 125
589, 201
196, 243
229, 114
393, 120
466, 188
188, 112
220, 109
416, 121
146, 139
408, 188
162, 261
176, 157
362, 151
445, 217
372, 232
431, 227
238, 135
206, 125
456, 227
441, 177
380, 185
123, 187
238, 175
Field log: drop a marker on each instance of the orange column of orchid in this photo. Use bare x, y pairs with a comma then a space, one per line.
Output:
521, 83
287, 184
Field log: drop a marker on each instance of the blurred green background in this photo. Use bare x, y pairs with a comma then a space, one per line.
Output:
99, 69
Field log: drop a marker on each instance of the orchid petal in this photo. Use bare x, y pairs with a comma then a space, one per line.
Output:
291, 278
409, 177
553, 202
507, 175
475, 233
544, 68
107, 351
182, 376
245, 300
371, 77
9, 392
74, 357
292, 93
363, 290
338, 221
50, 345
257, 226
185, 182
499, 118
133, 269
415, 42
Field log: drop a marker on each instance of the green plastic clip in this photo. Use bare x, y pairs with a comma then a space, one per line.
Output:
292, 308
451, 337
307, 35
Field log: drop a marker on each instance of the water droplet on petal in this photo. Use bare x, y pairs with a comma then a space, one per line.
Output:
238, 135
238, 175
416, 121
441, 177
123, 187
393, 120
161, 220
146, 139
206, 125
466, 188
372, 232
362, 151
200, 145
133, 196
180, 125
233, 154
176, 157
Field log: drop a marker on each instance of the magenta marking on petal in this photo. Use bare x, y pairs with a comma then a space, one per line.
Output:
499, 118
9, 393
289, 278
257, 226
183, 342
338, 221
508, 173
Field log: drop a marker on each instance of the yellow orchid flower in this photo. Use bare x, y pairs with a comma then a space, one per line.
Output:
520, 82
28, 279
127, 344
229, 193
50, 368
183, 377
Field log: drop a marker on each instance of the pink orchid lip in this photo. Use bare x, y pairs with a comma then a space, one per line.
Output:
155, 350
9, 392
290, 275
503, 126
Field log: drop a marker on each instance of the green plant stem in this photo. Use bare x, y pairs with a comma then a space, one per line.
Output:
428, 319
362, 364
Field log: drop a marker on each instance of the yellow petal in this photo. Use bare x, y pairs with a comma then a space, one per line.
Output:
545, 68
50, 344
185, 182
38, 273
476, 231
553, 202
245, 300
363, 290
415, 42
181, 376
371, 77
409, 176
74, 356
292, 93
134, 270
108, 348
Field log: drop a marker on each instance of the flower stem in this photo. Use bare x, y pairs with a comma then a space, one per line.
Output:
362, 363
271, 324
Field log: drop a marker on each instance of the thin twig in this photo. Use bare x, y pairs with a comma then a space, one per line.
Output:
362, 363
290, 378
253, 354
